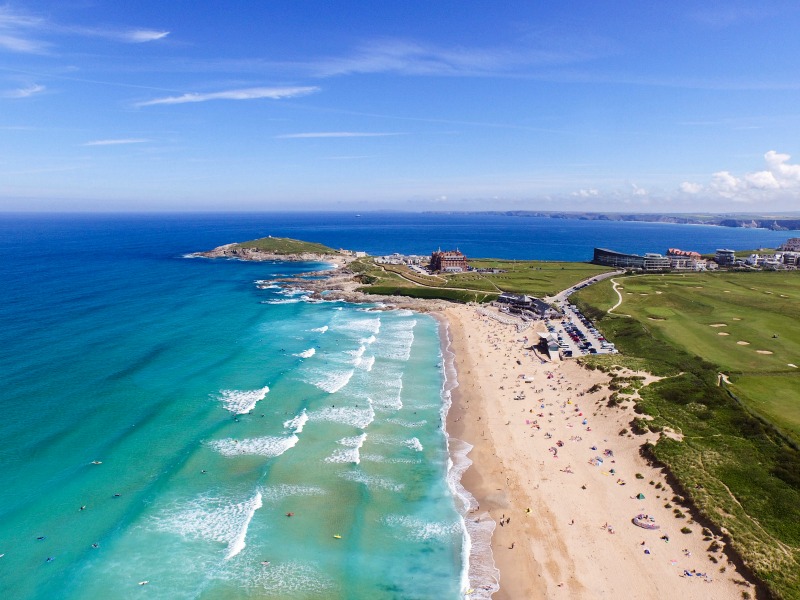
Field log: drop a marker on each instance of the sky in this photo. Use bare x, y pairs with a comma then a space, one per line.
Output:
410, 105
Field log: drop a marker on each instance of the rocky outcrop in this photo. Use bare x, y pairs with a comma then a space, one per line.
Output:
238, 252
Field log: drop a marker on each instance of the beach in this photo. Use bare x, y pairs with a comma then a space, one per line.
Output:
551, 469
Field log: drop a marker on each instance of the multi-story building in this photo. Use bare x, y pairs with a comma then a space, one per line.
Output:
649, 262
791, 245
449, 261
725, 257
686, 260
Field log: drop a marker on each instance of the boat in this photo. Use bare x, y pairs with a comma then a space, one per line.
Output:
645, 522
337, 536
97, 462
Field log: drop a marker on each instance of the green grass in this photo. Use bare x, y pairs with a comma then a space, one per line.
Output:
736, 461
536, 278
287, 246
533, 277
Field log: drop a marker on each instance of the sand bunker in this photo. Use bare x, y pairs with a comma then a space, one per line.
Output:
718, 325
723, 333
656, 319
659, 292
727, 291
767, 292
794, 366
736, 319
643, 294
698, 287
743, 343
764, 351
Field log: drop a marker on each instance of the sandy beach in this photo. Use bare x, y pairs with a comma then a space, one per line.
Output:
564, 517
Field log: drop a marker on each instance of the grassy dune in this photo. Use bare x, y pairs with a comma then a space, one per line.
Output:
738, 459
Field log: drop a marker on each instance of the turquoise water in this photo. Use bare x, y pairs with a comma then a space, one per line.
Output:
216, 405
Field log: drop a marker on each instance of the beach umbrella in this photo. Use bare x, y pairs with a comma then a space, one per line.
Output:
640, 496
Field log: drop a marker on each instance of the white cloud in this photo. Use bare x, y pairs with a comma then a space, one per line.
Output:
243, 94
638, 191
143, 35
116, 142
333, 134
25, 92
778, 177
16, 43
590, 193
688, 187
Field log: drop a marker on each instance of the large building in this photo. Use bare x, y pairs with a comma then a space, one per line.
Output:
791, 245
685, 259
725, 257
649, 262
449, 261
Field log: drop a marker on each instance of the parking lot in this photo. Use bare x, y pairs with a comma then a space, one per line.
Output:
577, 335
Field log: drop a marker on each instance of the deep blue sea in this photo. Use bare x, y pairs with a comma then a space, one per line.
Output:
163, 415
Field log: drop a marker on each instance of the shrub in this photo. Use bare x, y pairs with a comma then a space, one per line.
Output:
639, 476
686, 530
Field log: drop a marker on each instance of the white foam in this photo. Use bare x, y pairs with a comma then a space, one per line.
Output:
397, 340
379, 458
421, 530
406, 424
372, 326
241, 402
263, 446
213, 519
372, 481
346, 415
365, 363
238, 543
389, 395
285, 580
322, 329
414, 444
296, 423
330, 381
350, 452
276, 493
369, 340
283, 301
307, 353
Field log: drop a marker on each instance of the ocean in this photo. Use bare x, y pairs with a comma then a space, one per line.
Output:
187, 423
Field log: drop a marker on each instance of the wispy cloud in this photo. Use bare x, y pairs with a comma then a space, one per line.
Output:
241, 94
333, 134
143, 35
25, 92
416, 58
18, 32
116, 142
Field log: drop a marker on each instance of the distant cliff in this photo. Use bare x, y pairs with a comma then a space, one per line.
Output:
776, 223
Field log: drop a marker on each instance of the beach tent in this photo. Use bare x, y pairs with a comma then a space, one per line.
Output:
640, 496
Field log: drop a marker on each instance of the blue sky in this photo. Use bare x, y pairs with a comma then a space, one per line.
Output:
412, 105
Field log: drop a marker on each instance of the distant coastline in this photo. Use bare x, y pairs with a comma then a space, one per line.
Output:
784, 222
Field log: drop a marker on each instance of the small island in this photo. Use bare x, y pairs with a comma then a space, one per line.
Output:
277, 248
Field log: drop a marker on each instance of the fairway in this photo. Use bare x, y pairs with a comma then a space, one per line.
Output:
746, 323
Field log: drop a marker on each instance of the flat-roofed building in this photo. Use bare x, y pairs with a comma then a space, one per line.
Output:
725, 257
649, 262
